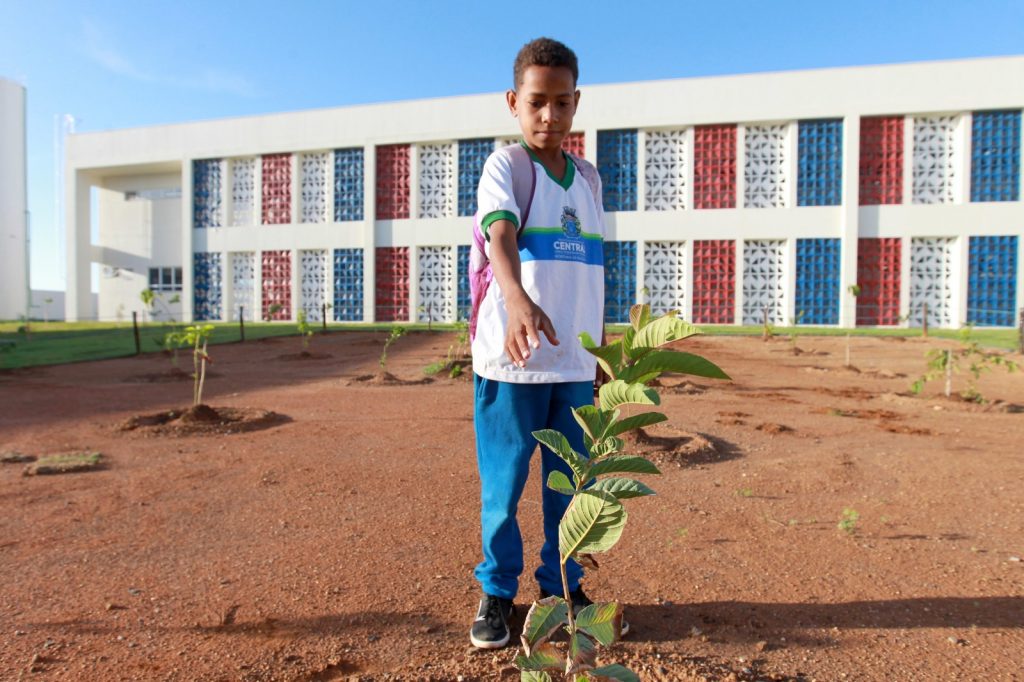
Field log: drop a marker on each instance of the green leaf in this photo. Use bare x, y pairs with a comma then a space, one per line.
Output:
613, 673
543, 657
592, 523
593, 421
544, 617
661, 361
609, 356
665, 329
603, 622
629, 345
560, 482
532, 676
560, 446
627, 464
639, 315
635, 422
622, 488
618, 392
609, 445
582, 654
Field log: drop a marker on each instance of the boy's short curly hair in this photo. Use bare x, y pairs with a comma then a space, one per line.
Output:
544, 52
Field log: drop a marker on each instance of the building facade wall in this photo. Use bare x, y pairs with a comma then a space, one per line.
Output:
14, 285
729, 198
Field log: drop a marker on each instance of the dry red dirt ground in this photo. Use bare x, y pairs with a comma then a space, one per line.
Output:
337, 542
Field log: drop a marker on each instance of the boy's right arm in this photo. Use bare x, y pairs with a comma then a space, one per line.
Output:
525, 318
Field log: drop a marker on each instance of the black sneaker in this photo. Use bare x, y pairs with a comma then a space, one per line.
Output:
490, 629
580, 601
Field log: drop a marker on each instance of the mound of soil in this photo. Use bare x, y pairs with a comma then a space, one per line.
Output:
167, 376
773, 429
386, 379
202, 420
665, 444
305, 355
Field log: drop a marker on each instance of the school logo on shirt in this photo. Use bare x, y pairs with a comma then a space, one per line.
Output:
570, 223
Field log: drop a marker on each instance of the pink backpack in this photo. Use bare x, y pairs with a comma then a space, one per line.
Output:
524, 182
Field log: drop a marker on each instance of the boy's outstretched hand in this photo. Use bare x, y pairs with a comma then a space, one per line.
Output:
526, 320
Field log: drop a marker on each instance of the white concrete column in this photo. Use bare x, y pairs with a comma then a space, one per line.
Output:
257, 300
961, 267
792, 168
741, 160
687, 312
188, 193
227, 196
740, 268
908, 159
414, 282
849, 221
295, 209
688, 172
590, 145
414, 182
641, 272
790, 313
78, 240
962, 160
369, 232
906, 244
641, 170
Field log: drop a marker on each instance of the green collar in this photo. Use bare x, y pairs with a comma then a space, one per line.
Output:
570, 168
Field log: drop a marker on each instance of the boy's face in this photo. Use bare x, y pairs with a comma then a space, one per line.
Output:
545, 104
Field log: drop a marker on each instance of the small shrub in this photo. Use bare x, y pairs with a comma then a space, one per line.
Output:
848, 521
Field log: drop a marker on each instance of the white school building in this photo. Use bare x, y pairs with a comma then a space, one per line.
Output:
848, 196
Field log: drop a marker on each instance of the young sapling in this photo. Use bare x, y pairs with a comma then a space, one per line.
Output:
595, 518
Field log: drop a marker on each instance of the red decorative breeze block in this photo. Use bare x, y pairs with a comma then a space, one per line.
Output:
714, 166
277, 284
881, 160
277, 189
878, 276
714, 281
392, 277
393, 181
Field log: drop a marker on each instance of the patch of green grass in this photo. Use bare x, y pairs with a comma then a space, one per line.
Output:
991, 338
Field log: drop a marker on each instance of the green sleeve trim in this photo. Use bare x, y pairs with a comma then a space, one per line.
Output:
495, 216
558, 230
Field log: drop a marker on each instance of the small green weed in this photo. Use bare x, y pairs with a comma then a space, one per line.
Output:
848, 521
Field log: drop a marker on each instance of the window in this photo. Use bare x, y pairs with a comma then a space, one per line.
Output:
165, 279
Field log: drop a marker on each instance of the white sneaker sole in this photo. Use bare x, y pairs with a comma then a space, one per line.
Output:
484, 644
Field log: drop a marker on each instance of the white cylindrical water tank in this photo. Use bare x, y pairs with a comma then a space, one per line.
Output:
14, 285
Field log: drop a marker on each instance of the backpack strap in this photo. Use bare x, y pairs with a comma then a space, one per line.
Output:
590, 174
524, 180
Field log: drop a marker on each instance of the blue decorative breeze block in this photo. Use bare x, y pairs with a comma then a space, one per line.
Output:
995, 156
464, 302
206, 187
472, 155
206, 273
348, 285
992, 281
820, 163
348, 185
619, 280
817, 281
616, 162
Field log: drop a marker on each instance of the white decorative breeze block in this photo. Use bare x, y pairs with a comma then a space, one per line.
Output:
764, 170
243, 285
314, 189
763, 274
243, 191
505, 141
934, 159
665, 276
312, 283
665, 170
437, 180
931, 281
436, 284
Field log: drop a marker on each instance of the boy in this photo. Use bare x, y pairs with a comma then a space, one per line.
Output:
529, 367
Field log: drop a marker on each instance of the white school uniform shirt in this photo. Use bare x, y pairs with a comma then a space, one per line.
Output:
561, 249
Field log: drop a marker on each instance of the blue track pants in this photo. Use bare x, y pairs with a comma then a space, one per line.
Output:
505, 415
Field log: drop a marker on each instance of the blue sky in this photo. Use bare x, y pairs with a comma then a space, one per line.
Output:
125, 64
